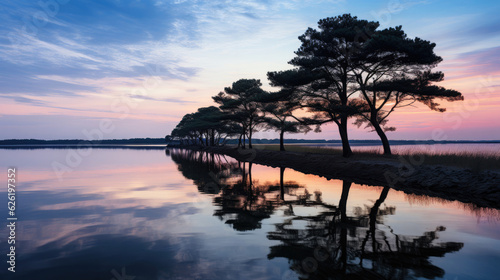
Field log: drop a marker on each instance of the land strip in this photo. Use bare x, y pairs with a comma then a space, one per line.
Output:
464, 185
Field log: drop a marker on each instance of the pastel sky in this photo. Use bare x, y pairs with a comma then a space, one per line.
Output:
123, 69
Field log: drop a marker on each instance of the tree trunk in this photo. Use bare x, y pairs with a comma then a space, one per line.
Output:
282, 146
373, 217
239, 141
376, 208
383, 137
244, 175
346, 147
282, 183
346, 186
250, 173
243, 145
250, 139
212, 138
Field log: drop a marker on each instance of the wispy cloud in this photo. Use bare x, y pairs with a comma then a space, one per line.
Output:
109, 37
22, 99
481, 62
168, 100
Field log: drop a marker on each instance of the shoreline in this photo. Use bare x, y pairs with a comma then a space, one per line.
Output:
464, 185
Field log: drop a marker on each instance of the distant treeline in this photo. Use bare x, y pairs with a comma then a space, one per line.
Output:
132, 141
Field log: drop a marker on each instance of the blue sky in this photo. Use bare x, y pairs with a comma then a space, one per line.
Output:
68, 66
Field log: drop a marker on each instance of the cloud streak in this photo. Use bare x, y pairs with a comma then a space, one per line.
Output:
168, 100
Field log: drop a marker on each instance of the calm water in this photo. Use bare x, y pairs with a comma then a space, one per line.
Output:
120, 214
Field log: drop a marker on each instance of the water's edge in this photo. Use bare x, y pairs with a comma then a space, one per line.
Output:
481, 189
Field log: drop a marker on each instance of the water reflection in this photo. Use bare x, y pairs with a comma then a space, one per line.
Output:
192, 215
334, 244
88, 242
242, 203
328, 244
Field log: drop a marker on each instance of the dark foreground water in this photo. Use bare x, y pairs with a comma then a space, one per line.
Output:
144, 214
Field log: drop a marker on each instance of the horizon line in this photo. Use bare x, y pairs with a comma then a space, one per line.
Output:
254, 139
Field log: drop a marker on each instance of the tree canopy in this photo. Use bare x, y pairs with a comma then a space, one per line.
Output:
209, 126
348, 68
280, 107
393, 71
242, 103
345, 69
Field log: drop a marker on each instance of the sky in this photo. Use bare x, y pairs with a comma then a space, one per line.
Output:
113, 69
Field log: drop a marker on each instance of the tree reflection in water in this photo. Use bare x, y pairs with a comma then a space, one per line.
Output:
332, 245
209, 172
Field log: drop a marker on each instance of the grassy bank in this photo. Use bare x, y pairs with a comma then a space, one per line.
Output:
468, 160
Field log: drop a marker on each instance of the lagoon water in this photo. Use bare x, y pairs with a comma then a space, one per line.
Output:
177, 214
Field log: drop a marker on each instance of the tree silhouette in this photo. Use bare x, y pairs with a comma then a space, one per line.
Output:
209, 126
393, 71
241, 103
348, 68
323, 60
279, 107
183, 132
